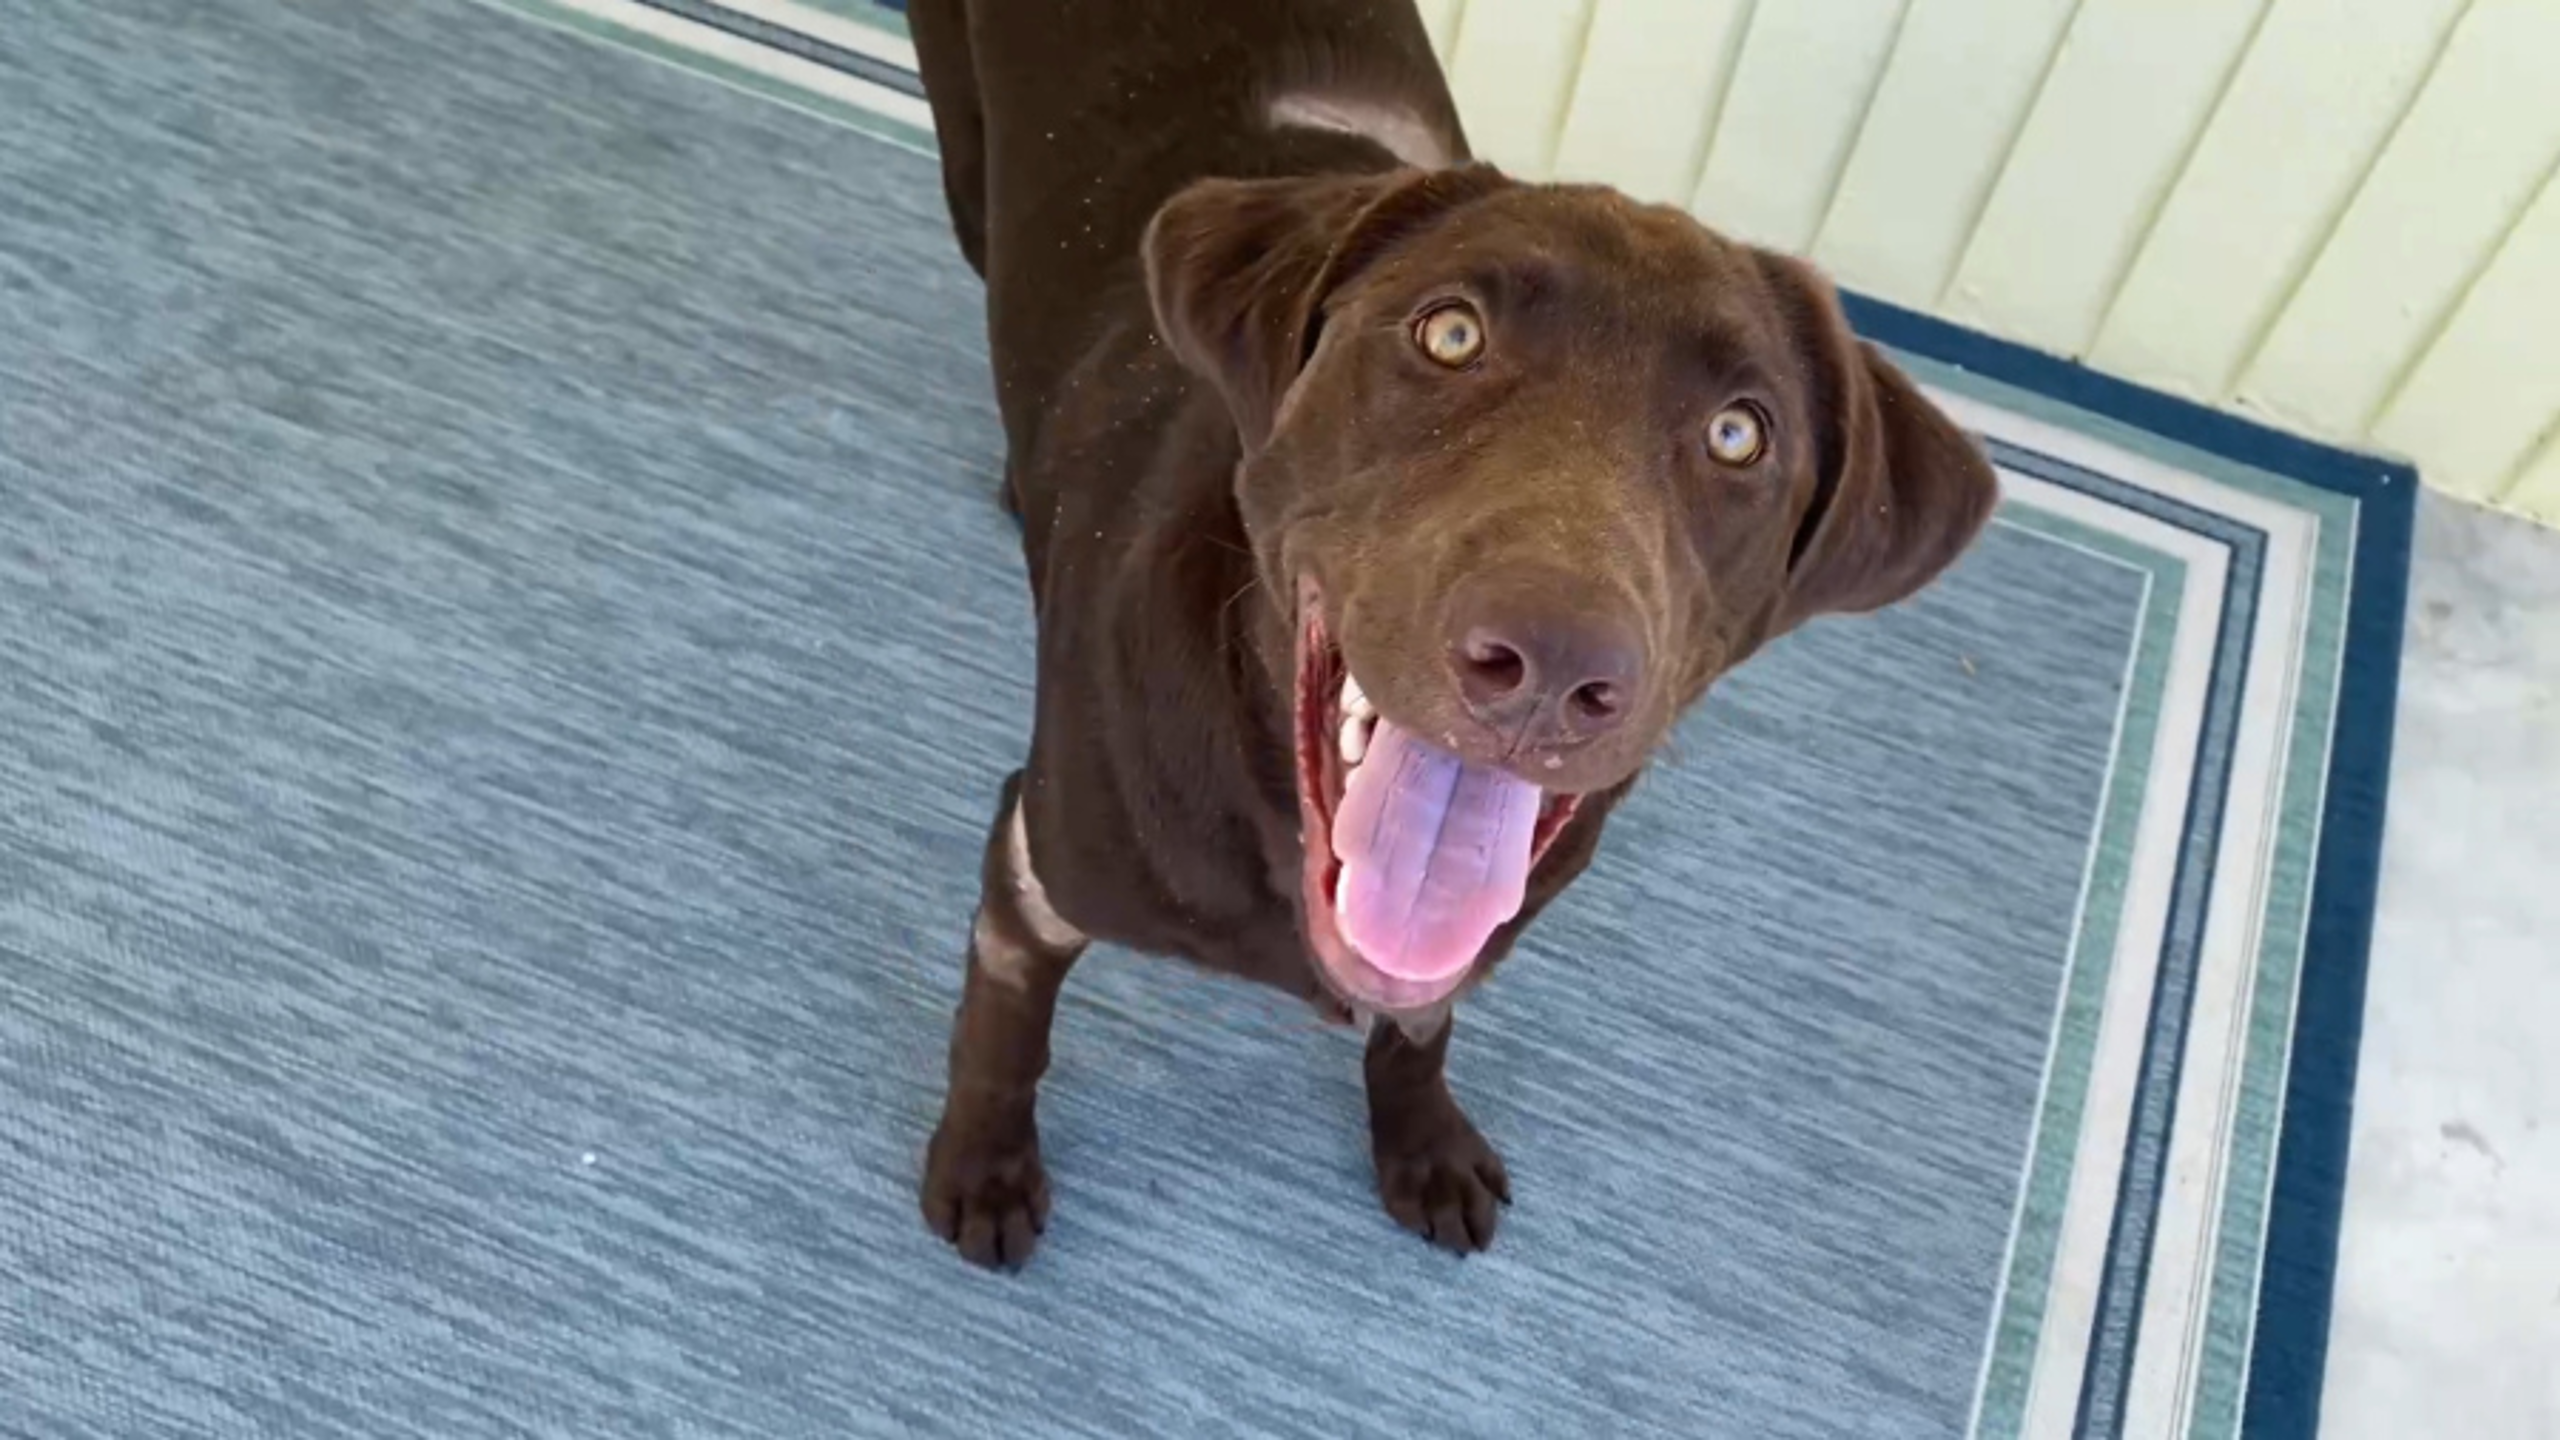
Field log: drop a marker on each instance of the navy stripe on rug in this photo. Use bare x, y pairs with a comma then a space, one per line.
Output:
2298, 1270
879, 72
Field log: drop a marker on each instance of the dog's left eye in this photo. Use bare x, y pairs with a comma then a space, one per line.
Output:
1452, 335
1738, 435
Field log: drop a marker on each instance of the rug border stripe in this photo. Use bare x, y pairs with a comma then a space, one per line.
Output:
2132, 1342
2244, 1118
2255, 1062
2298, 1269
867, 28
744, 23
2230, 663
838, 97
2232, 1290
2021, 1287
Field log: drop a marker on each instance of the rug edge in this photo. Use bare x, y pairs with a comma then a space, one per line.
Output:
2298, 1270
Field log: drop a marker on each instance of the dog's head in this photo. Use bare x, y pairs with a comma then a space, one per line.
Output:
1534, 464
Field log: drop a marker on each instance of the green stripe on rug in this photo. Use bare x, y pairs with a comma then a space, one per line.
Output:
2017, 1330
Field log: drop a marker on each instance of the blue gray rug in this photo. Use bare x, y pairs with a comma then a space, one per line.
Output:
510, 646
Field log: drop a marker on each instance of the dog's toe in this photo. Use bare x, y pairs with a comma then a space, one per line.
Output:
1449, 1188
991, 1202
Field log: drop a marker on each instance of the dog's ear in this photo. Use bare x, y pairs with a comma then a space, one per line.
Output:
1901, 491
1238, 270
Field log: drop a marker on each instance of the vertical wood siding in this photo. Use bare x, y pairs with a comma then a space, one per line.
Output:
2342, 216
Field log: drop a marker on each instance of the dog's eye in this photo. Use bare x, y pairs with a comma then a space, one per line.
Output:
1451, 334
1737, 435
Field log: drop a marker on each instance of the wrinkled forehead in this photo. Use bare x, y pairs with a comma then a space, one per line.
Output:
1588, 258
1587, 270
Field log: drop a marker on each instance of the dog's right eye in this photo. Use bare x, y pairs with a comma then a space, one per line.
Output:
1451, 334
1738, 435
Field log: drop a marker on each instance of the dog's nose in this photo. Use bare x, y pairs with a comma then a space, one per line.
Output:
1543, 679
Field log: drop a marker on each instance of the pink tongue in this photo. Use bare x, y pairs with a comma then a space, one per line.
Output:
1435, 856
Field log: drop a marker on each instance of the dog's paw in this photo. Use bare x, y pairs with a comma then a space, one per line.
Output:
987, 1195
1444, 1183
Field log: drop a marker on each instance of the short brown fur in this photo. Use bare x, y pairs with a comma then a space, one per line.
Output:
1201, 327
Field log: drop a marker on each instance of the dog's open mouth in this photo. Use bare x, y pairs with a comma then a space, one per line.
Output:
1414, 857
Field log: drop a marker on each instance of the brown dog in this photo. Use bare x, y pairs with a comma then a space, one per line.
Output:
1382, 515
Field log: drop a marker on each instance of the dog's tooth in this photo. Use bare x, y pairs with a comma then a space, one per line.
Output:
1355, 704
1354, 739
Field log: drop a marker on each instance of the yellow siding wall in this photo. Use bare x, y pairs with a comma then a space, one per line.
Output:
2341, 216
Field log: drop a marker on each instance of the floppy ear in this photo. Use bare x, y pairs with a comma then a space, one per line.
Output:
1901, 492
1238, 270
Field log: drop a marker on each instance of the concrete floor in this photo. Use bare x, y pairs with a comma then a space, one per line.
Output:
2448, 1310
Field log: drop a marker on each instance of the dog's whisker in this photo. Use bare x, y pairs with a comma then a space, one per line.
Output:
1242, 591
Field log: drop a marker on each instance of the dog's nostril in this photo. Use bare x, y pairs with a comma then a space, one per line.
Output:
1541, 674
1599, 700
1491, 667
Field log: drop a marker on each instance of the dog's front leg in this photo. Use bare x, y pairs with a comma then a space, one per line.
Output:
984, 1189
1439, 1177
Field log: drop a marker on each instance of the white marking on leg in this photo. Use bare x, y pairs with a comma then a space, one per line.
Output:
1007, 959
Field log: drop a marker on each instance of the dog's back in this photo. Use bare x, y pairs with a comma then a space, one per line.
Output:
1064, 126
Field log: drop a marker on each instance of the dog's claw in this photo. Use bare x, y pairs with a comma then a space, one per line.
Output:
1448, 1186
990, 1200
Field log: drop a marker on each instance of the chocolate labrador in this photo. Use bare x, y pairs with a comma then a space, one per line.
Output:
1382, 515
